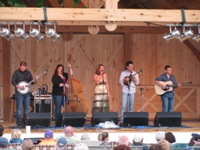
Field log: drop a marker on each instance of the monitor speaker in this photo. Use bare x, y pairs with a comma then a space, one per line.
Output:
74, 119
170, 119
135, 119
99, 117
38, 119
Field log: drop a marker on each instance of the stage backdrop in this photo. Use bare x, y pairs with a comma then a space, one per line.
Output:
84, 51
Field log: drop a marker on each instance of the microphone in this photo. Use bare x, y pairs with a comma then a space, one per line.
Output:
103, 76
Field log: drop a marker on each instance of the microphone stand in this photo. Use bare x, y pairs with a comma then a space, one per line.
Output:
141, 98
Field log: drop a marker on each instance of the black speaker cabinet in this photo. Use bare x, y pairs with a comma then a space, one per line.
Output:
99, 117
74, 119
43, 104
170, 119
135, 119
38, 119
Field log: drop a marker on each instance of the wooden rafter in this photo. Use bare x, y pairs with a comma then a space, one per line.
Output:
194, 50
100, 15
54, 3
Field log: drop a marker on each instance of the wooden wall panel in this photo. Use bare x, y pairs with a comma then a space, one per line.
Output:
84, 51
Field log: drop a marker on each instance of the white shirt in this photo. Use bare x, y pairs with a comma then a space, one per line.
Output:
133, 84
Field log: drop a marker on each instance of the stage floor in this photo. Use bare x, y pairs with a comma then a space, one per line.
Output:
182, 134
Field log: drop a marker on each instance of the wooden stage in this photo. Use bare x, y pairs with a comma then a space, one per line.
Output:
182, 134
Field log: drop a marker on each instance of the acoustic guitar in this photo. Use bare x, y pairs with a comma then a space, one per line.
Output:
168, 86
27, 85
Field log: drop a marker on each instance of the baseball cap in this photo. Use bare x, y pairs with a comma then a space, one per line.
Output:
62, 141
137, 138
48, 134
3, 142
81, 146
160, 135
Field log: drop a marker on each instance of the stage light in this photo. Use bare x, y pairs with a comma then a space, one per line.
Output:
21, 33
51, 33
197, 37
5, 32
35, 33
173, 34
186, 34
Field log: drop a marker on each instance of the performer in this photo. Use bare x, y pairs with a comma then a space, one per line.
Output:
168, 97
101, 95
128, 80
59, 80
21, 74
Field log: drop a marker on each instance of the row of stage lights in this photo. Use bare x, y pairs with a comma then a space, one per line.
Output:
186, 34
34, 32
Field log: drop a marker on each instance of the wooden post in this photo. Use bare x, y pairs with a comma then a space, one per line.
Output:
111, 4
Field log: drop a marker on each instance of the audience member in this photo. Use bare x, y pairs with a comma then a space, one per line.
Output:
122, 147
27, 144
61, 143
104, 138
85, 137
123, 140
1, 130
165, 144
3, 142
169, 136
160, 136
16, 136
48, 138
69, 134
156, 147
81, 146
99, 137
138, 141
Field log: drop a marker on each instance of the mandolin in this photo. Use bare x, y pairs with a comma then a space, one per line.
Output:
131, 78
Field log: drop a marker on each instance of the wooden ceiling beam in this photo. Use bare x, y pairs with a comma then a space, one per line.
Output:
108, 15
193, 49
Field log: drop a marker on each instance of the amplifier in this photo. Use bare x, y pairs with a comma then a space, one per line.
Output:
43, 104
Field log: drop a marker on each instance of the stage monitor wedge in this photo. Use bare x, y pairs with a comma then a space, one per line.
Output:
169, 119
135, 119
101, 117
74, 119
38, 119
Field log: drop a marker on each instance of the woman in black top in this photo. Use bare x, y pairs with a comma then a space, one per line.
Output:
59, 81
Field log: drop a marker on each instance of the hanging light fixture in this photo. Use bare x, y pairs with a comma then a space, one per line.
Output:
197, 37
173, 34
186, 34
5, 32
51, 33
35, 33
19, 32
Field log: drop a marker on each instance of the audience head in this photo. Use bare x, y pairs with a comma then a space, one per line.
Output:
81, 146
69, 131
1, 130
48, 134
27, 144
122, 147
99, 137
160, 136
3, 142
123, 140
156, 147
138, 139
61, 143
16, 134
105, 136
169, 136
164, 144
85, 137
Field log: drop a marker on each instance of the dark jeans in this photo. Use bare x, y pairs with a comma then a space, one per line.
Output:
58, 101
22, 100
167, 102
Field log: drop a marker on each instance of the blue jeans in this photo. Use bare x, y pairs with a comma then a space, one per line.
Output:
58, 101
167, 102
127, 98
22, 100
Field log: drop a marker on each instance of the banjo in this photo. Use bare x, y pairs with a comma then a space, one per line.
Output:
27, 85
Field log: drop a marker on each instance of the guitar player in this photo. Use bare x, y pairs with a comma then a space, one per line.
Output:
21, 74
128, 80
168, 96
